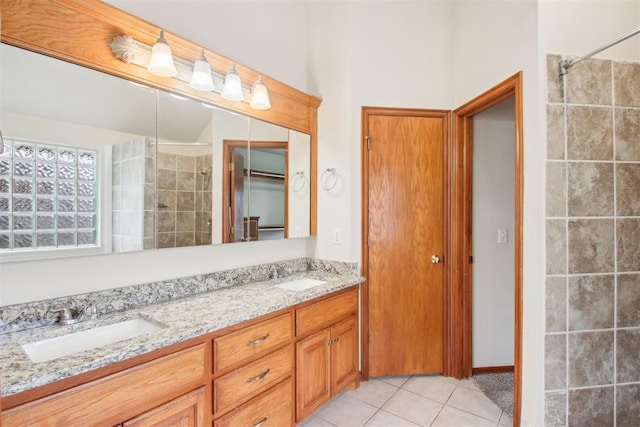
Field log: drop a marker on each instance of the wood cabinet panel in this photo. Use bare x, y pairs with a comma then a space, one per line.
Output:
116, 397
326, 312
243, 383
271, 409
344, 354
185, 411
313, 377
251, 341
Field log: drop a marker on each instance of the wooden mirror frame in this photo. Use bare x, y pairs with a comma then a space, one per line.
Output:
79, 31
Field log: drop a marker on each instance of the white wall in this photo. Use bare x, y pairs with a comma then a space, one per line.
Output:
494, 40
299, 201
392, 54
493, 263
268, 36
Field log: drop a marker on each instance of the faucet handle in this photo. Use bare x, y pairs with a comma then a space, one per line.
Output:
65, 314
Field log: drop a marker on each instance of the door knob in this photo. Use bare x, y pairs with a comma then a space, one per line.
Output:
435, 259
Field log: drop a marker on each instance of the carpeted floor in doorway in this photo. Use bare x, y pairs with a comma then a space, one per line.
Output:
498, 387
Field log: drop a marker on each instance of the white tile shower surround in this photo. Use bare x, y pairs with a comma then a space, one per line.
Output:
425, 400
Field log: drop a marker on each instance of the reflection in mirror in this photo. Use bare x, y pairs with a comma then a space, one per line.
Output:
184, 172
56, 174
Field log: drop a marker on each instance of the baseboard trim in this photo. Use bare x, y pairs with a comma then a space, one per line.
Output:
491, 370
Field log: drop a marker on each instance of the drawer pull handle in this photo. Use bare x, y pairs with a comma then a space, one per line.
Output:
257, 341
258, 377
262, 422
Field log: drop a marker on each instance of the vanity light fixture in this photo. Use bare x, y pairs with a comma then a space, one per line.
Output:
230, 86
201, 77
260, 96
161, 63
232, 89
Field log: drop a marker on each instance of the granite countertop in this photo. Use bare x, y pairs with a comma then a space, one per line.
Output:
181, 319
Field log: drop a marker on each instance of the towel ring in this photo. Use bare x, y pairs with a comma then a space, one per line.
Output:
326, 177
298, 181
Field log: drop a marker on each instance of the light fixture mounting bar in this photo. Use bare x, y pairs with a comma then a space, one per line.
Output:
131, 51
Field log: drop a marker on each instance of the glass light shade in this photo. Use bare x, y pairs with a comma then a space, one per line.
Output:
201, 77
232, 89
161, 63
260, 98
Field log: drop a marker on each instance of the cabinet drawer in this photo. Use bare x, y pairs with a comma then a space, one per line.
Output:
271, 409
117, 397
326, 312
237, 386
251, 341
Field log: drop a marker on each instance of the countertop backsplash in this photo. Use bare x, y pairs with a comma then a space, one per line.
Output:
44, 313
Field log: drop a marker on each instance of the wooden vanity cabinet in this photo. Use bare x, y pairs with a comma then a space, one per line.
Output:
326, 351
152, 393
253, 375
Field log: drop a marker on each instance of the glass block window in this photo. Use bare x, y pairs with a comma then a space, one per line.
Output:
48, 196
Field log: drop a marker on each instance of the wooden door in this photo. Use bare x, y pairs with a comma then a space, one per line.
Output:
405, 227
344, 354
313, 380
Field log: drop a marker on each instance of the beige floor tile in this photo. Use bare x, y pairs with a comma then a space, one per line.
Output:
506, 419
345, 411
434, 387
396, 381
474, 402
315, 422
385, 419
452, 417
373, 392
468, 383
413, 407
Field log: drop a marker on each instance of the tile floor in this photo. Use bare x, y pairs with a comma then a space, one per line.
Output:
408, 402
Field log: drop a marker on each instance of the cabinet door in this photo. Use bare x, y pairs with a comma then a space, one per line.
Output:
185, 411
313, 380
344, 354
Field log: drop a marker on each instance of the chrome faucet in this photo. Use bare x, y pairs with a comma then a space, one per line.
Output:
69, 316
278, 272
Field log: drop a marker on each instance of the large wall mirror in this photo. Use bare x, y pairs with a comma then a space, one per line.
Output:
97, 164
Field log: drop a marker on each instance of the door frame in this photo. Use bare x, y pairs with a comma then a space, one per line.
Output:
461, 217
364, 290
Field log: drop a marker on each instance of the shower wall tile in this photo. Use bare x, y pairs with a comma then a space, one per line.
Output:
590, 189
589, 133
166, 240
186, 181
556, 246
628, 188
591, 246
149, 170
185, 163
555, 92
626, 81
590, 358
186, 201
627, 127
556, 203
166, 222
168, 198
185, 221
589, 82
555, 132
591, 302
628, 405
166, 161
628, 236
555, 362
556, 304
185, 239
555, 409
591, 407
628, 295
627, 353
166, 179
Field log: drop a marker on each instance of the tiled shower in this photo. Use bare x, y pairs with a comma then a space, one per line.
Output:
592, 339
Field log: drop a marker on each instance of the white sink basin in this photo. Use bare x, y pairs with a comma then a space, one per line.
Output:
300, 284
65, 345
